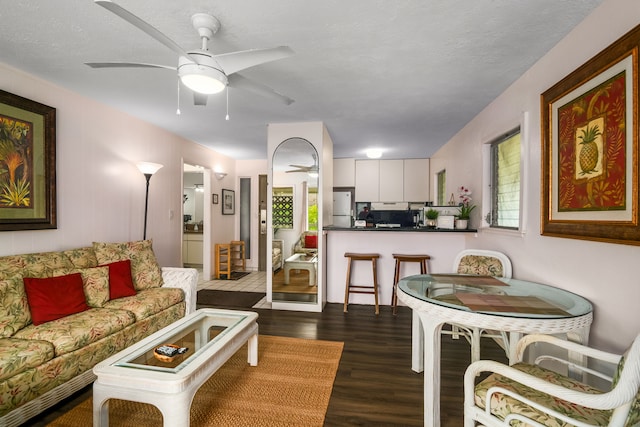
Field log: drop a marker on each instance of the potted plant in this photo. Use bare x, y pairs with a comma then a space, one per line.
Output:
465, 208
432, 217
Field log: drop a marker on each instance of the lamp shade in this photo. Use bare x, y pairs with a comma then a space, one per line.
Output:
148, 168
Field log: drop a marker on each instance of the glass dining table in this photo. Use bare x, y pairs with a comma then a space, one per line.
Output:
511, 306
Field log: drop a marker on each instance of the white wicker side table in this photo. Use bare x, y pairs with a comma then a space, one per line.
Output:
135, 374
435, 302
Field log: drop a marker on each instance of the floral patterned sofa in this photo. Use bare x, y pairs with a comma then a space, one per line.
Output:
63, 312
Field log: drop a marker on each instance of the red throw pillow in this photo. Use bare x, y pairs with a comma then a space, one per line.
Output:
120, 279
311, 241
52, 298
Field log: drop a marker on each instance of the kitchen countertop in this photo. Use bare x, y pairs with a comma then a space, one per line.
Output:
402, 229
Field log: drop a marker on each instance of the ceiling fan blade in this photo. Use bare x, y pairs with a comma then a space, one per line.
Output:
142, 25
238, 61
239, 82
126, 65
200, 98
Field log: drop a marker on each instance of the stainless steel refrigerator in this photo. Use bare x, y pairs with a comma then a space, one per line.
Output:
342, 209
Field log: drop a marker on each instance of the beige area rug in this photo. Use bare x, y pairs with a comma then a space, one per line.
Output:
291, 386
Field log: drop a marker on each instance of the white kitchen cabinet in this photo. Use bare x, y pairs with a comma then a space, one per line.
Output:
344, 172
416, 180
192, 247
391, 181
367, 180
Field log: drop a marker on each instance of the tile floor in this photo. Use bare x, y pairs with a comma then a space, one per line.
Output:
256, 281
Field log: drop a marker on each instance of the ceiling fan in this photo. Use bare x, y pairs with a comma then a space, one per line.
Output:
200, 70
305, 169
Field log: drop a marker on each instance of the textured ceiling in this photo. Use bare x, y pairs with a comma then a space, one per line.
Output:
403, 75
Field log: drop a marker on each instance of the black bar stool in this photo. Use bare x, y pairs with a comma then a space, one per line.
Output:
361, 289
400, 258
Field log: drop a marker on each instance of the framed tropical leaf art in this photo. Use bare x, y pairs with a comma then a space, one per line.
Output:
27, 164
590, 148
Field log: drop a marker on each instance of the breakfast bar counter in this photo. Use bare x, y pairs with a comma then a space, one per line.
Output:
442, 245
383, 228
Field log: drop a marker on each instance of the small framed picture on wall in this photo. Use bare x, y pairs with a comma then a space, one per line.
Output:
215, 198
228, 202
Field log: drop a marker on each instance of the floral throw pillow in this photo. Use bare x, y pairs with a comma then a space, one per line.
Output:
144, 267
82, 257
14, 308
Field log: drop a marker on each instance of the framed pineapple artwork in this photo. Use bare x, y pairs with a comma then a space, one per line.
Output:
590, 149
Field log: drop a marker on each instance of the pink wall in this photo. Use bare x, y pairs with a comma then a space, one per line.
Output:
602, 272
100, 191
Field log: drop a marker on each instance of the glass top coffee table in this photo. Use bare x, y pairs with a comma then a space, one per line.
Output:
139, 373
301, 262
514, 306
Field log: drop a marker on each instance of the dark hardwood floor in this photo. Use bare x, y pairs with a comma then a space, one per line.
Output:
375, 385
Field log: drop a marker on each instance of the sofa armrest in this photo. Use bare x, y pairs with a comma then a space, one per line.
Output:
185, 279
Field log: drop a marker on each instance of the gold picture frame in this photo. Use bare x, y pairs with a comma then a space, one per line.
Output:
590, 149
27, 164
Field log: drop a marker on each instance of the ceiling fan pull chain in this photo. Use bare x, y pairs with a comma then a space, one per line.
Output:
178, 110
227, 116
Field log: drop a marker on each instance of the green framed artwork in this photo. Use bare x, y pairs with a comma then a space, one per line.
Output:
27, 164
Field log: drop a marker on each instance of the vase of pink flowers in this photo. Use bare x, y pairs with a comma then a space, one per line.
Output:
464, 208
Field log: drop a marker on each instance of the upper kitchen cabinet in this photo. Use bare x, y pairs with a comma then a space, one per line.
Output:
367, 180
416, 180
344, 172
392, 180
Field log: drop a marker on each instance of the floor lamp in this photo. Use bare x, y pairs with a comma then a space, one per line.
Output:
147, 169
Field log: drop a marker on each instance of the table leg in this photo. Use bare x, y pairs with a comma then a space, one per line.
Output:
252, 356
580, 336
514, 337
287, 268
432, 343
417, 343
312, 275
100, 408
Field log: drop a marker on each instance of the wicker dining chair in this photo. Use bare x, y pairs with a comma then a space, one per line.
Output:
546, 396
480, 262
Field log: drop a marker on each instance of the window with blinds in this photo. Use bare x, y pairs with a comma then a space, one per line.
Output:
505, 181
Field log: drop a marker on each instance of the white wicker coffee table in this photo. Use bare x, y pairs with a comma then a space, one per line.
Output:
301, 262
135, 374
538, 309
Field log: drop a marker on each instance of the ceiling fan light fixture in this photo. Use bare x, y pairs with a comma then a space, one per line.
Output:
202, 78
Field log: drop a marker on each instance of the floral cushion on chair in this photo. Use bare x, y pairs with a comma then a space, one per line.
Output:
480, 266
503, 405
